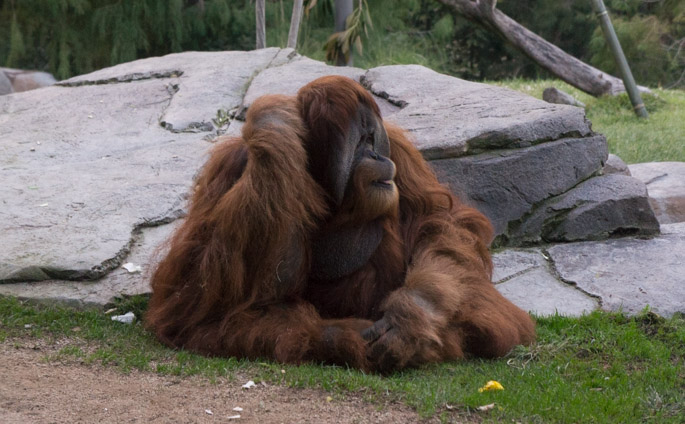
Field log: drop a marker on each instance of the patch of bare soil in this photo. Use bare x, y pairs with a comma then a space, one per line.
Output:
35, 391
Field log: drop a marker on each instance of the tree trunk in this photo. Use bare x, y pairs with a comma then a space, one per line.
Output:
566, 67
295, 24
343, 9
260, 13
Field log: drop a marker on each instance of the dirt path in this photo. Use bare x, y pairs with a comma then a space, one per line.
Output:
35, 391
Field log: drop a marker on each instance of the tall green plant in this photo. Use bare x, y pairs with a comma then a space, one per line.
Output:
16, 44
69, 37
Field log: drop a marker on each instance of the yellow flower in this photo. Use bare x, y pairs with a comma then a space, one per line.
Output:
491, 385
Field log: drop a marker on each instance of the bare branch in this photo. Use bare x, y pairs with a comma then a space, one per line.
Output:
566, 67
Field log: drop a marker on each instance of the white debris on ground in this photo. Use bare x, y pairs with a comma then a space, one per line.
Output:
131, 267
127, 318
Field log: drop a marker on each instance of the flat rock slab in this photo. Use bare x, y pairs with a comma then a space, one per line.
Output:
206, 82
79, 181
665, 183
629, 274
526, 278
145, 252
451, 117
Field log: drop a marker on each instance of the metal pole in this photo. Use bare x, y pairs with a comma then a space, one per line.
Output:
620, 58
260, 13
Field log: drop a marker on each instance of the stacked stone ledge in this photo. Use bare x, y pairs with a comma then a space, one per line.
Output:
96, 184
532, 167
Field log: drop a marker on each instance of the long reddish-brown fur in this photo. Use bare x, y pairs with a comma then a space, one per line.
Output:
231, 284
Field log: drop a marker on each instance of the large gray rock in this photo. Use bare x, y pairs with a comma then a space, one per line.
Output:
18, 80
666, 186
507, 184
103, 162
505, 154
5, 84
202, 82
629, 274
449, 117
554, 95
597, 208
290, 77
31, 80
144, 252
76, 186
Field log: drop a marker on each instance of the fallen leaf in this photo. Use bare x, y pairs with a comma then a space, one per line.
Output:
328, 398
486, 407
491, 385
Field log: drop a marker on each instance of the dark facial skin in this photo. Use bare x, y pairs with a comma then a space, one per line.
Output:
370, 155
334, 163
362, 189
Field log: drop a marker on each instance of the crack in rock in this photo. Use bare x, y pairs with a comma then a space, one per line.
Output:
208, 124
657, 178
363, 80
556, 274
41, 273
514, 275
241, 111
136, 76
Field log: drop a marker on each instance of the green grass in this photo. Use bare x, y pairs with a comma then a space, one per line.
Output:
597, 368
661, 137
